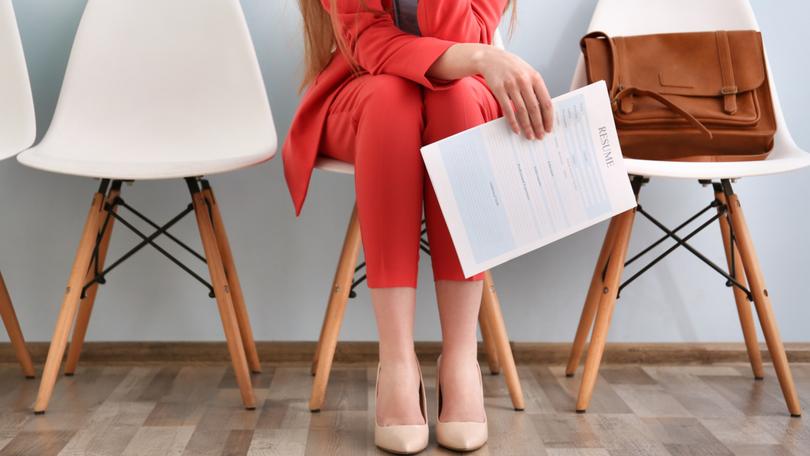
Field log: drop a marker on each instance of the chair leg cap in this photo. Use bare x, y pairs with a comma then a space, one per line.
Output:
759, 378
68, 374
519, 409
569, 375
315, 410
795, 415
39, 412
30, 377
580, 412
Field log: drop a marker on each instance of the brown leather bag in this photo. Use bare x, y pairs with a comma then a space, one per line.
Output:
699, 96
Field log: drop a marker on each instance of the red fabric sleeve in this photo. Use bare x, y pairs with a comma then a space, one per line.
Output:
379, 47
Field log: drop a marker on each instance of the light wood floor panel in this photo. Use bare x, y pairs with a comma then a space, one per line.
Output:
195, 409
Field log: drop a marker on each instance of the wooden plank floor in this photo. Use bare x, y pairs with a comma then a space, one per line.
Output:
170, 409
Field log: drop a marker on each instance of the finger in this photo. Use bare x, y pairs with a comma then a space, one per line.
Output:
544, 100
521, 112
506, 107
533, 109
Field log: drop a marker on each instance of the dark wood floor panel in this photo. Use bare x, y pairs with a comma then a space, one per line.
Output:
190, 410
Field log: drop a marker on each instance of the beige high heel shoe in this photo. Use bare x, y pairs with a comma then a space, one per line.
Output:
459, 435
407, 438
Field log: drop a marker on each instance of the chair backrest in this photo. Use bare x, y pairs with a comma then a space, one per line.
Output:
17, 121
162, 80
642, 17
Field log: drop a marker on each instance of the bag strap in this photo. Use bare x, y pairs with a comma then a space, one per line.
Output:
618, 92
729, 90
666, 102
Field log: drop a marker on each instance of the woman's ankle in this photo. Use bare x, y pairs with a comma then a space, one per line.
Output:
467, 353
398, 394
460, 381
398, 356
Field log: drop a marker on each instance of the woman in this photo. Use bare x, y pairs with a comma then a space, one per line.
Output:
375, 95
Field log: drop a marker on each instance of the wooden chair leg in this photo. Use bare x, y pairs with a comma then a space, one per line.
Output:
335, 310
591, 301
743, 306
607, 302
237, 296
15, 334
313, 368
222, 291
70, 303
762, 302
488, 339
86, 304
491, 309
327, 317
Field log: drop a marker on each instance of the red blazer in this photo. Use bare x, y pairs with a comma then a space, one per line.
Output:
379, 47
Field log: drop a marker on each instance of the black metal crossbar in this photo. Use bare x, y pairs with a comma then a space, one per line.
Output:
722, 211
154, 225
683, 225
99, 277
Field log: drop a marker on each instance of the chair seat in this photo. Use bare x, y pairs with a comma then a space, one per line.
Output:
779, 161
141, 165
334, 166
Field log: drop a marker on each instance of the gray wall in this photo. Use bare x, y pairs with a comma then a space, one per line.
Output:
286, 264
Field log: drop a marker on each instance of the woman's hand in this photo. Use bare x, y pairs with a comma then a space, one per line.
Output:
519, 88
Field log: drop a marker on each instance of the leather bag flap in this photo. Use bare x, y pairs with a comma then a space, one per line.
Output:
701, 64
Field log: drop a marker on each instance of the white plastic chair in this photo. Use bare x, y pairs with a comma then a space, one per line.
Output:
640, 17
493, 329
157, 89
17, 131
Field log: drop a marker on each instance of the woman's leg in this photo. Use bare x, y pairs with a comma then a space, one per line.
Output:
376, 123
466, 104
398, 399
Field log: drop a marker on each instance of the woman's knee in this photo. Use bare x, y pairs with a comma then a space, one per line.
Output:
467, 94
388, 97
390, 127
466, 104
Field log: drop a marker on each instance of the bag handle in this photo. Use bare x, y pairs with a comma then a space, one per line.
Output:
614, 69
617, 92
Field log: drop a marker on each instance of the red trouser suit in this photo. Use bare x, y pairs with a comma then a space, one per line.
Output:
379, 123
380, 119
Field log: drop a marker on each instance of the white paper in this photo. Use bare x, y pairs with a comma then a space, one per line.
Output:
503, 195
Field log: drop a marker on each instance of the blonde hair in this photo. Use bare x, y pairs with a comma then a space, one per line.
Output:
322, 36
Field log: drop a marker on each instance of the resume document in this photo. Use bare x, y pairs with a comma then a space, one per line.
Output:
503, 195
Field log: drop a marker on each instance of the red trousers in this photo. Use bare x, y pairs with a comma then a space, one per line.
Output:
379, 124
